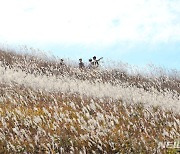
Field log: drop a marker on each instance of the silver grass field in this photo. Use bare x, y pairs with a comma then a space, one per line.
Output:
48, 108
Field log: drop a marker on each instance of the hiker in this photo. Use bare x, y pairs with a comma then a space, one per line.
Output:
62, 62
90, 66
95, 62
81, 64
62, 67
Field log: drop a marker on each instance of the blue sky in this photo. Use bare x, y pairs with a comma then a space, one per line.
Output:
138, 32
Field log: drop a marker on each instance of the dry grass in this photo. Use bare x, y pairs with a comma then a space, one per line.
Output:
39, 66
34, 120
53, 122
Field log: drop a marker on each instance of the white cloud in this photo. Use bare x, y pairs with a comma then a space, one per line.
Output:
90, 21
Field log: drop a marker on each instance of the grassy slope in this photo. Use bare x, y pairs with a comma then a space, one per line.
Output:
37, 120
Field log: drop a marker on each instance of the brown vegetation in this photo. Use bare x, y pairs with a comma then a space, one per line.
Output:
37, 121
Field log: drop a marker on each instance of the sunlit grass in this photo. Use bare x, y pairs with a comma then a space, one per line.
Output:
44, 109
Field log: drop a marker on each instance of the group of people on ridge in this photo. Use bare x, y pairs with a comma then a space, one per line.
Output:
93, 63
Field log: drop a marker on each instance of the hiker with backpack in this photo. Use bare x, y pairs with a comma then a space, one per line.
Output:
95, 62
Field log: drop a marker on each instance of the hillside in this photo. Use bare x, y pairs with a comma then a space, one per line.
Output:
49, 108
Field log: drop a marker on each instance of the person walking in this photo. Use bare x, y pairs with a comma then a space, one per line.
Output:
62, 62
62, 67
95, 62
90, 66
81, 64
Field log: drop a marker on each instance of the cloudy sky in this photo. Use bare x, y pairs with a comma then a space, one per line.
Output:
139, 32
